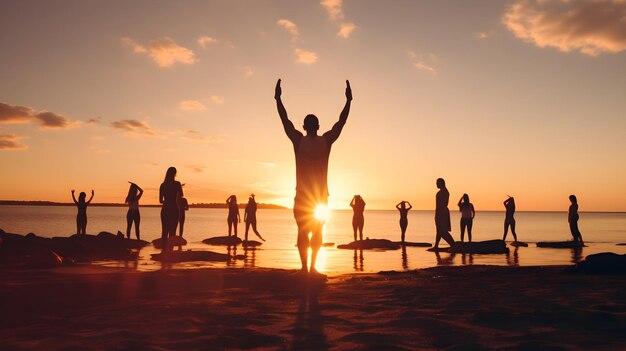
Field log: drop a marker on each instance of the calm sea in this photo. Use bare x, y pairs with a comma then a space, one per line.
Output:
601, 232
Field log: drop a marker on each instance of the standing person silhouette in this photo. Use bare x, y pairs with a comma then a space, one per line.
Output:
132, 216
442, 215
312, 152
169, 193
467, 216
249, 217
233, 214
358, 220
572, 218
183, 205
404, 215
509, 220
81, 216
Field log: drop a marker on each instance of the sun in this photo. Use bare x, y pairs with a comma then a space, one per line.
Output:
322, 212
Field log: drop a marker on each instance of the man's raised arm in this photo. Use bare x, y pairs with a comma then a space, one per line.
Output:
290, 130
334, 133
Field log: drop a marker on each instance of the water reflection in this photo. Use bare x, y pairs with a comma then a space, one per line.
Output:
513, 259
447, 260
250, 260
405, 260
467, 259
577, 255
231, 250
358, 260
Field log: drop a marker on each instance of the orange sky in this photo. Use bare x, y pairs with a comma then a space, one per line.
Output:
522, 98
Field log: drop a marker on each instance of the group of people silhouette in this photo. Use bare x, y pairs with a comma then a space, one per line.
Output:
312, 152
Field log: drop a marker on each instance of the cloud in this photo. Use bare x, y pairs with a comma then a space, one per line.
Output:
305, 56
50, 120
23, 114
11, 142
15, 114
196, 136
205, 41
218, 100
334, 8
290, 26
591, 27
191, 105
133, 126
196, 168
247, 71
422, 62
94, 120
164, 51
482, 35
345, 29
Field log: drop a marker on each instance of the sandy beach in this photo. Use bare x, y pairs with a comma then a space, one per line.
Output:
452, 308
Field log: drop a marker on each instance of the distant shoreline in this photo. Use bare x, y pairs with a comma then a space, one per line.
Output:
243, 205
195, 205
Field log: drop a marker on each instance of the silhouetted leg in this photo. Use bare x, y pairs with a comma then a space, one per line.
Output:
437, 238
447, 237
403, 226
247, 228
182, 226
513, 230
230, 227
316, 243
303, 247
463, 224
137, 221
506, 230
235, 225
256, 231
470, 222
77, 225
361, 230
129, 223
164, 226
354, 230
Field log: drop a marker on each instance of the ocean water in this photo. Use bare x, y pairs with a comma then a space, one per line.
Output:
601, 232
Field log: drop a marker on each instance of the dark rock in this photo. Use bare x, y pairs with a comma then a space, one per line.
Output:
560, 244
223, 240
601, 263
518, 244
189, 255
328, 244
413, 244
480, 247
172, 241
369, 244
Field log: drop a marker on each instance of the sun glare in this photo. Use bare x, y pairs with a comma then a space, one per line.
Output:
322, 213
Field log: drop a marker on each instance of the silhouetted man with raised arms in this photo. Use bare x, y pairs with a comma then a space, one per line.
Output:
312, 152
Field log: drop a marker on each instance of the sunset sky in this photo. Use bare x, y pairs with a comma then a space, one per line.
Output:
525, 98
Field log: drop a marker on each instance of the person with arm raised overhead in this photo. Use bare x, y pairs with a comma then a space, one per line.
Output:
312, 152
81, 216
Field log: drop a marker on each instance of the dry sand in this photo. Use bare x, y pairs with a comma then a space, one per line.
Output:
453, 308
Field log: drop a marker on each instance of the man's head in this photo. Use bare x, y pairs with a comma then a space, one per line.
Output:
311, 124
441, 183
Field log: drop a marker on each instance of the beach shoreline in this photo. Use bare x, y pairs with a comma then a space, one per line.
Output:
466, 307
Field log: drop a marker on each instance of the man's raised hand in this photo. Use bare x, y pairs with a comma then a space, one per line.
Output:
278, 90
348, 90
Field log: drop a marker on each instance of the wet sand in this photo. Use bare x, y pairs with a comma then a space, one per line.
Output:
453, 308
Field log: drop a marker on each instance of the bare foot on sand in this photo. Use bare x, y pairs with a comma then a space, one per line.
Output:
317, 275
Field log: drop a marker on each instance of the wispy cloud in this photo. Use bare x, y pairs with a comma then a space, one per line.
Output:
482, 35
247, 71
133, 126
345, 29
196, 168
591, 27
24, 114
11, 142
164, 51
191, 105
94, 120
305, 56
423, 62
205, 41
217, 99
333, 8
289, 26
198, 137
